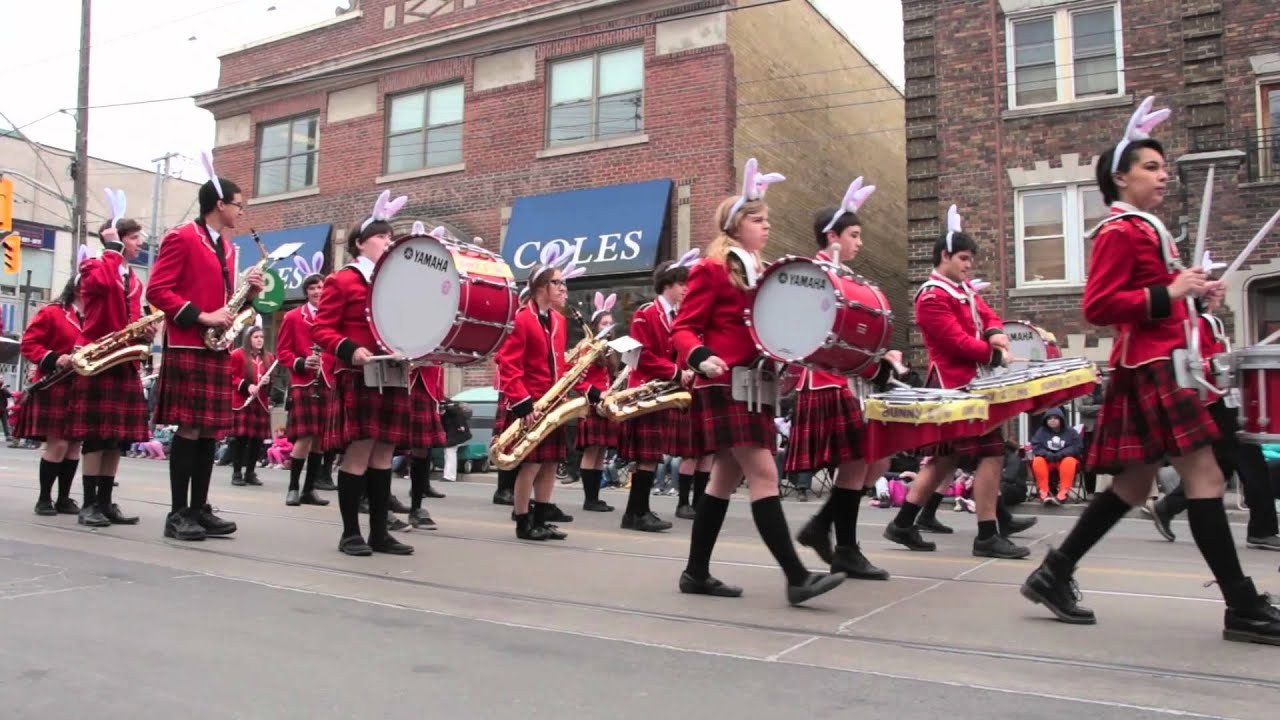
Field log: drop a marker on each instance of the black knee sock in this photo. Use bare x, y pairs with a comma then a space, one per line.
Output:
106, 486
930, 509
700, 480
379, 488
1175, 503
327, 466
202, 471
842, 509
686, 486
1099, 516
907, 514
48, 476
350, 490
419, 471
314, 468
1003, 516
249, 451
507, 479
591, 484
296, 466
641, 486
182, 455
67, 475
1212, 534
987, 529
771, 523
702, 538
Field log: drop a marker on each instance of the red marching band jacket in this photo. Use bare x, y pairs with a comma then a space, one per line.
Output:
955, 322
108, 305
53, 332
294, 345
712, 321
241, 380
531, 359
188, 279
1130, 270
651, 327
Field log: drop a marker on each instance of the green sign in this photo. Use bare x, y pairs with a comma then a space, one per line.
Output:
271, 298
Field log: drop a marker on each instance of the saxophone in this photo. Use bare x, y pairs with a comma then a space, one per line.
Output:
650, 397
112, 349
241, 316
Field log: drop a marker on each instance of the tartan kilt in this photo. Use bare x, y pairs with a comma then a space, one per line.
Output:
1146, 417
723, 423
387, 416
194, 389
826, 429
647, 438
252, 422
500, 415
969, 448
46, 413
684, 443
110, 406
594, 430
554, 448
307, 416
428, 428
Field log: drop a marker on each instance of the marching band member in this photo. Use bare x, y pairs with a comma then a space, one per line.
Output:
251, 419
47, 344
961, 334
366, 422
530, 361
310, 380
427, 391
828, 417
596, 434
110, 412
193, 278
1137, 284
504, 493
711, 337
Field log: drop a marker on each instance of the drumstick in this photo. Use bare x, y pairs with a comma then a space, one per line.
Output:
1248, 249
1270, 338
834, 251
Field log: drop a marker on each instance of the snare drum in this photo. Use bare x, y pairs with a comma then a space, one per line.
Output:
1256, 372
907, 419
435, 301
819, 315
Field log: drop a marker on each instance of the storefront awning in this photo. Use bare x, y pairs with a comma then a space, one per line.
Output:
312, 257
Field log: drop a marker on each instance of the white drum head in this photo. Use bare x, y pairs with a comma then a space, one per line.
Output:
1025, 342
794, 310
414, 297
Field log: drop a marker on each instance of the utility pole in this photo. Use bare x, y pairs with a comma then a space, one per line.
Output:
157, 203
81, 166
26, 312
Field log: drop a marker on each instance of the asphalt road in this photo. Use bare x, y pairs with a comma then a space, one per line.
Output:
275, 623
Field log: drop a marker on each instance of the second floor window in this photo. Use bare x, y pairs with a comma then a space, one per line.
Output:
596, 97
287, 153
424, 128
1073, 54
1051, 226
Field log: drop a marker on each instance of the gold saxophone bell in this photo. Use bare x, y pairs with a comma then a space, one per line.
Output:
650, 397
116, 348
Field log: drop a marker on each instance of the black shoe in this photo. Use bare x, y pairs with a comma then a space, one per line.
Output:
237, 478
181, 525
91, 516
648, 522
45, 508
850, 561
213, 525
597, 506
689, 585
526, 530
397, 506
503, 497
421, 519
816, 534
1018, 525
354, 545
553, 513
395, 524
389, 545
67, 506
293, 498
1250, 616
1053, 585
434, 494
326, 484
554, 532
909, 537
251, 478
931, 525
815, 585
311, 498
115, 517
686, 512
1161, 518
999, 546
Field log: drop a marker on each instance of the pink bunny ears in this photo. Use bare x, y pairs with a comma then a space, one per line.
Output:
308, 268
953, 225
853, 199
384, 208
1141, 123
556, 256
754, 186
207, 160
603, 305
116, 201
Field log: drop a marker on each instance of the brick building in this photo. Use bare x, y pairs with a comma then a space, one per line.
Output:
1010, 102
617, 126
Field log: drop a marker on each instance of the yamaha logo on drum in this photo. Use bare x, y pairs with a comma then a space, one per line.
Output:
813, 283
422, 257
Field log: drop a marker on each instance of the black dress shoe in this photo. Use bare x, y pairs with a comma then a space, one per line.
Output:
45, 508
815, 585
648, 522
999, 546
91, 516
597, 506
686, 512
910, 537
115, 517
1019, 525
213, 525
553, 513
503, 497
397, 506
849, 560
396, 524
1053, 586
527, 530
433, 493
1250, 616
326, 484
389, 545
67, 506
709, 585
251, 478
182, 525
354, 545
293, 498
931, 525
420, 519
311, 498
237, 478
816, 534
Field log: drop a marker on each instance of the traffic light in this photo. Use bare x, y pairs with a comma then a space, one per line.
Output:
12, 254
6, 204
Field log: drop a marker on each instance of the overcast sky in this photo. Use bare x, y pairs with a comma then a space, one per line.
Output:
152, 49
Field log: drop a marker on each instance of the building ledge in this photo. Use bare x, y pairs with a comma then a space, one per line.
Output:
335, 20
422, 173
560, 150
1212, 156
1268, 183
1068, 107
281, 197
1046, 291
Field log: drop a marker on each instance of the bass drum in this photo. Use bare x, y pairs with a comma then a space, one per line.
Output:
1031, 343
435, 301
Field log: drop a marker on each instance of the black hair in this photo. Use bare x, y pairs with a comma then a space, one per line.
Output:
823, 217
208, 195
310, 280
959, 243
1106, 179
377, 227
70, 292
668, 274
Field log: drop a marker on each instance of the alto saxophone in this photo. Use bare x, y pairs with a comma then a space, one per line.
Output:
241, 316
650, 397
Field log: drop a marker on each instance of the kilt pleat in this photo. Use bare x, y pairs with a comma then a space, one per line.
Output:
194, 389
254, 421
968, 448
109, 406
725, 423
46, 413
1145, 417
647, 438
553, 448
594, 430
307, 415
684, 442
389, 415
428, 428
826, 429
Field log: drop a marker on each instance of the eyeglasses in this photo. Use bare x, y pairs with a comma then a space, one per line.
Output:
558, 283
237, 204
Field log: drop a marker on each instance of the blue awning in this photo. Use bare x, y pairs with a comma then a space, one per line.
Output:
612, 230
311, 258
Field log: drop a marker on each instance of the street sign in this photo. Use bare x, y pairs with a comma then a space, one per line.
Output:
271, 297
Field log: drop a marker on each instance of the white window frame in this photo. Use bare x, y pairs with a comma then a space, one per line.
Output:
289, 155
1064, 56
1073, 232
594, 135
1266, 167
426, 128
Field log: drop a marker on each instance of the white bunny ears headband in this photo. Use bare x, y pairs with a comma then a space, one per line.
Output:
953, 225
754, 186
207, 160
603, 305
384, 208
118, 204
1141, 123
853, 199
556, 256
